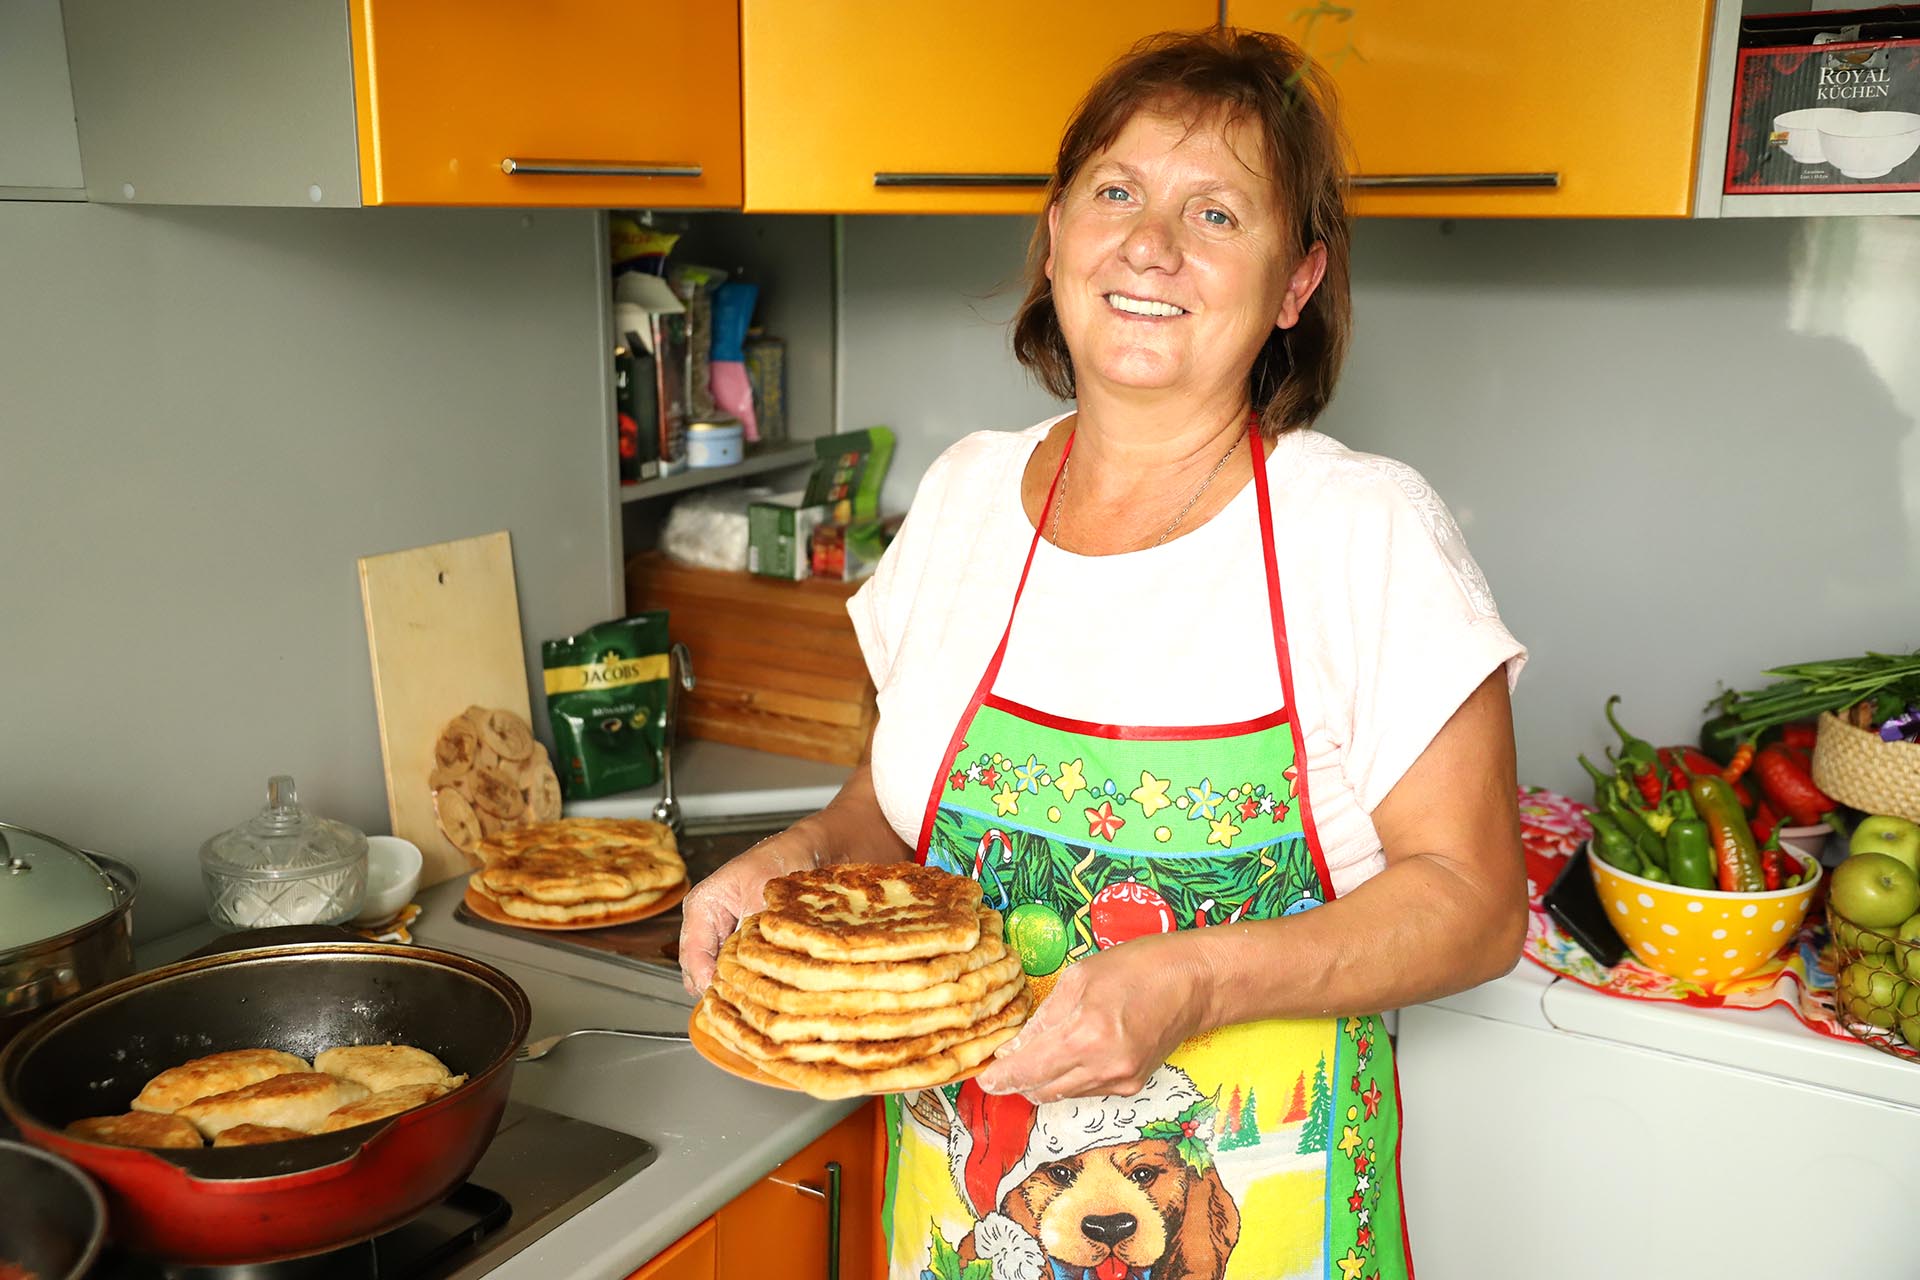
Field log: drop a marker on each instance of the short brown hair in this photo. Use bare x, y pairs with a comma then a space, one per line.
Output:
1249, 75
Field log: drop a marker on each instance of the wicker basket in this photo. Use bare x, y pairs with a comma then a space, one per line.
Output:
1856, 768
1883, 1015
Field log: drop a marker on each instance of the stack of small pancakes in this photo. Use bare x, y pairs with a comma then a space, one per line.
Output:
867, 979
577, 871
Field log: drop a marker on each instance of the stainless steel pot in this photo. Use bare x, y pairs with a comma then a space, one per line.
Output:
38, 972
54, 1219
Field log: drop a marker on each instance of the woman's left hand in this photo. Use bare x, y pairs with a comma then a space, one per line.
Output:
1108, 1022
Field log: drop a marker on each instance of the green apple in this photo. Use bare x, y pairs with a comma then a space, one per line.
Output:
1874, 890
1910, 1031
1895, 837
1908, 1005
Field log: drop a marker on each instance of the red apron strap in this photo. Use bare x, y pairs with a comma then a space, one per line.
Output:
992, 672
1282, 657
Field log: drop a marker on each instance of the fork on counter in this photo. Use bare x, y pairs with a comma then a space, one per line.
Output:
535, 1050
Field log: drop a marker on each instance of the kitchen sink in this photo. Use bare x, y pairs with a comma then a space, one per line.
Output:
653, 944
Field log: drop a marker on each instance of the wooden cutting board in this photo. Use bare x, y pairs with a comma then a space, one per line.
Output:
443, 631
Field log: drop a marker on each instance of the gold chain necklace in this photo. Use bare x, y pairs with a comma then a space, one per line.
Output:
1060, 498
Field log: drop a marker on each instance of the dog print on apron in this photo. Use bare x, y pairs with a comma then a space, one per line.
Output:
1258, 1151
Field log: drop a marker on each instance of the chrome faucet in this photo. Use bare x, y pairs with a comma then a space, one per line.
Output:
679, 677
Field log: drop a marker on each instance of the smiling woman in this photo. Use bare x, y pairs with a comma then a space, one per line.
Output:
1225, 828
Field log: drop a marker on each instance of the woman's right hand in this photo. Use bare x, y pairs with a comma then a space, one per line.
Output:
718, 903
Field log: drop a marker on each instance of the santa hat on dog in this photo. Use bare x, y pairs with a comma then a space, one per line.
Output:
997, 1140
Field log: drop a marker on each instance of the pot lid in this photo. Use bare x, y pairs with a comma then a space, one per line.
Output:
47, 888
284, 840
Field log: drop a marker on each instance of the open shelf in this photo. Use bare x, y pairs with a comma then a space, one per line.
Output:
759, 460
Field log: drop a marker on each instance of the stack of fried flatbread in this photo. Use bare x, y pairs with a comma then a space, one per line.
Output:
490, 774
579, 870
867, 979
247, 1096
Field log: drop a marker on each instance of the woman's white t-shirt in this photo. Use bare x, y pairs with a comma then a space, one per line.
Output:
1389, 621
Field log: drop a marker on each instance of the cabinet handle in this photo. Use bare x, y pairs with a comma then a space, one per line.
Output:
831, 1194
597, 169
1422, 181
961, 179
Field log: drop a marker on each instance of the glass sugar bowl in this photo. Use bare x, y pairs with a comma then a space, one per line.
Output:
284, 866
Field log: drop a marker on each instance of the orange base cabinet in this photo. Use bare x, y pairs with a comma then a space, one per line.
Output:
691, 1257
779, 1228
1604, 97
595, 102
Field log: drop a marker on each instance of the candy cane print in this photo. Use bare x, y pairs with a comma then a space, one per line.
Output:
987, 842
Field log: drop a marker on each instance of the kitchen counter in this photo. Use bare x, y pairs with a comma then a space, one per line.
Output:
716, 1135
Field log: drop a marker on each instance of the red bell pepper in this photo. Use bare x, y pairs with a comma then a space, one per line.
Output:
1787, 779
1800, 733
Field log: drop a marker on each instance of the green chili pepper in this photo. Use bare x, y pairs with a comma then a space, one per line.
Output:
1633, 822
1690, 854
1614, 846
1602, 784
1737, 861
1655, 874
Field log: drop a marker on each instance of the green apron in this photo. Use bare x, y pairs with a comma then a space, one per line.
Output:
1262, 1151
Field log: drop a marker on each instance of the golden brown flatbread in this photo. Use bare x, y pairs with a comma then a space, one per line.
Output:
302, 1100
382, 1066
828, 1080
854, 999
725, 1024
137, 1129
175, 1087
253, 1135
897, 1025
556, 913
641, 850
388, 1102
858, 911
808, 973
561, 877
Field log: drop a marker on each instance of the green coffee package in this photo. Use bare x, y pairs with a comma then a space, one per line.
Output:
606, 700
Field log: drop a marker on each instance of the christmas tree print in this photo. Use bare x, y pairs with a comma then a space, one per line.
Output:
1233, 1112
1313, 1137
1297, 1109
1245, 1131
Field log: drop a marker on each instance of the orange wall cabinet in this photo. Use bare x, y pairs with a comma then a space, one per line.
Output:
691, 1257
779, 1227
633, 104
1605, 97
873, 106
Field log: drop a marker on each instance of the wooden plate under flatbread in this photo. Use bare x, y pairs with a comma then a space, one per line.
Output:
734, 1065
488, 911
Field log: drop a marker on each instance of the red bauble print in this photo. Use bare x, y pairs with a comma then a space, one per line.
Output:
1125, 910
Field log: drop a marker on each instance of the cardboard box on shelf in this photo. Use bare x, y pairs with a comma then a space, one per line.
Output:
779, 534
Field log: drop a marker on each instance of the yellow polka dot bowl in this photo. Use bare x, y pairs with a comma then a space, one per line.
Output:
1702, 935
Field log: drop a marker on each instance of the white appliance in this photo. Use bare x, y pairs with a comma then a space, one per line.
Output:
1552, 1131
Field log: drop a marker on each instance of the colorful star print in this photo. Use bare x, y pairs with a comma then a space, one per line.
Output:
957, 780
1359, 1164
1372, 1100
1353, 1026
1069, 780
1151, 794
1354, 1202
1349, 1140
1280, 812
1007, 801
1103, 822
1366, 1237
1350, 1266
1026, 777
1248, 809
1203, 801
1292, 775
989, 775
1222, 831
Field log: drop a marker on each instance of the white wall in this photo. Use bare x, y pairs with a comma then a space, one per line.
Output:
206, 416
1682, 451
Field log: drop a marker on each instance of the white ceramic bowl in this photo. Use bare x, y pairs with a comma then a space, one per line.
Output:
1802, 128
393, 873
1808, 842
1872, 144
